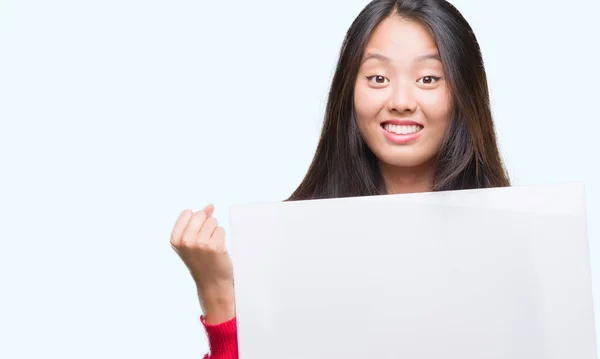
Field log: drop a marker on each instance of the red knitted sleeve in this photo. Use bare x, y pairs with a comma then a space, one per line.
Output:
222, 339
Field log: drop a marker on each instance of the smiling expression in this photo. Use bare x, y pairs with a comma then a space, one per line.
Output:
401, 97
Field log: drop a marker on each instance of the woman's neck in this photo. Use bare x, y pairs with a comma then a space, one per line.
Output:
407, 179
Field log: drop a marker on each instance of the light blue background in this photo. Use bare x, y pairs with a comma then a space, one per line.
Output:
116, 115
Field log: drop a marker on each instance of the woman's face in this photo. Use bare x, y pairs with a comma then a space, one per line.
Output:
401, 97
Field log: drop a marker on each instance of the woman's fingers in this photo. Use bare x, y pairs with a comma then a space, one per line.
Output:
196, 229
190, 234
207, 230
179, 227
218, 238
209, 210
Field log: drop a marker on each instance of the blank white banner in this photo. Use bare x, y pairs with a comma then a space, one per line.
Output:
495, 274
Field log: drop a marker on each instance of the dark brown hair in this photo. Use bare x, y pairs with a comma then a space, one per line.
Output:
343, 165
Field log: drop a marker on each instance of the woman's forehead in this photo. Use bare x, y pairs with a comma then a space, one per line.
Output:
398, 39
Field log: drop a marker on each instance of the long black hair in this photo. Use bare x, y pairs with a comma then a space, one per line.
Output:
343, 165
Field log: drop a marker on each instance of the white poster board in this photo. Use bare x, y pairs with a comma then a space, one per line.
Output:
495, 274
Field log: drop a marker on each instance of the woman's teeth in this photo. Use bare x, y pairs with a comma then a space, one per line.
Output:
402, 129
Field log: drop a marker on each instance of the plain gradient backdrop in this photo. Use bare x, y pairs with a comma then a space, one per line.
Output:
117, 115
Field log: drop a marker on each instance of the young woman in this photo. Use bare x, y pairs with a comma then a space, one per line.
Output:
408, 111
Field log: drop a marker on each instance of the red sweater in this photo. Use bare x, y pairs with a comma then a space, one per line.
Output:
222, 339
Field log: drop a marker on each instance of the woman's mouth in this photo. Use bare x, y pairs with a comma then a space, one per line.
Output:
401, 129
401, 134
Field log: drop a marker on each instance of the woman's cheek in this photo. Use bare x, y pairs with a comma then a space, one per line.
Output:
362, 101
437, 105
369, 102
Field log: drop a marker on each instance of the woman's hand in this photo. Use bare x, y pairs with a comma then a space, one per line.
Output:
200, 243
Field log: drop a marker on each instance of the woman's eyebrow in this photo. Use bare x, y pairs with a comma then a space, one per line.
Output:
383, 58
376, 56
432, 56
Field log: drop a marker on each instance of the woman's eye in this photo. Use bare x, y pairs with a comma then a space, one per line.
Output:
377, 79
428, 80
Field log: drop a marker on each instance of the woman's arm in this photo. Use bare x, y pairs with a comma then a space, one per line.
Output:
200, 242
222, 339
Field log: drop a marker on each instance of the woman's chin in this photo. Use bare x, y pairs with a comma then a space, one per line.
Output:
406, 158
